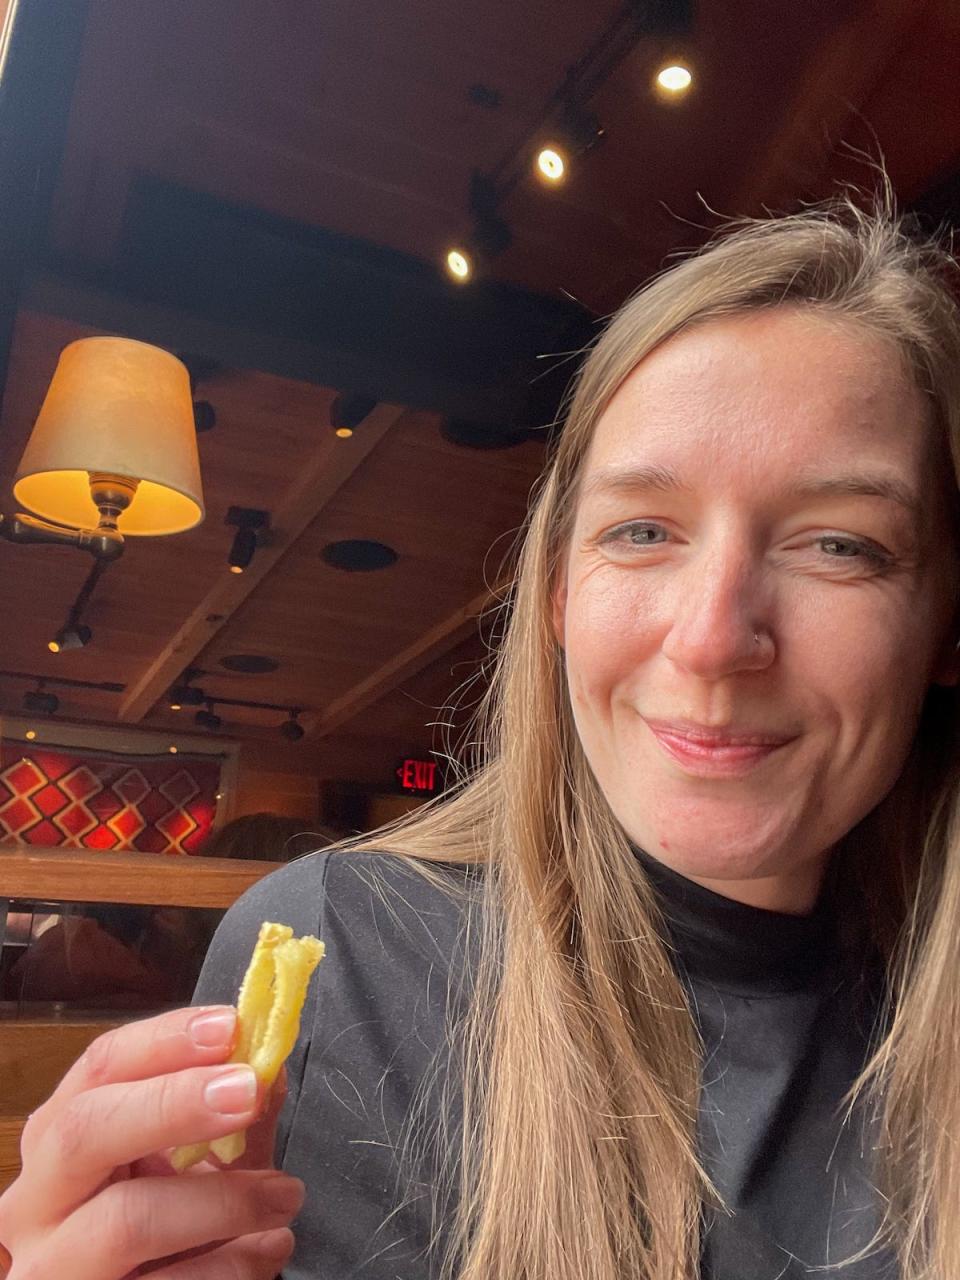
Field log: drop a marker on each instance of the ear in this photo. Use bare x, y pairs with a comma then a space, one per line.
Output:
559, 607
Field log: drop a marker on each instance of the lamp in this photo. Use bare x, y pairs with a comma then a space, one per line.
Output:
115, 436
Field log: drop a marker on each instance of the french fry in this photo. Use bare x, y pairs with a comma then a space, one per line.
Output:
268, 1007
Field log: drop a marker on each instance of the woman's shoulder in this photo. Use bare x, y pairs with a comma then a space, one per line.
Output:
370, 907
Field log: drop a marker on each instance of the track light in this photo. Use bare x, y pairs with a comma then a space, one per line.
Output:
292, 729
674, 80
46, 704
576, 132
71, 637
206, 718
241, 553
551, 164
186, 695
248, 522
459, 264
348, 411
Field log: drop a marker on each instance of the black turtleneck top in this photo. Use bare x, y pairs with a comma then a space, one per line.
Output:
784, 1032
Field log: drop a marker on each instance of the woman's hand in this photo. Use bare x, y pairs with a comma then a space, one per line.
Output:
97, 1199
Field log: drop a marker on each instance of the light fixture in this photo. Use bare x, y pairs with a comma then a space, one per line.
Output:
551, 164
39, 702
75, 635
459, 264
206, 717
186, 695
115, 436
248, 522
172, 750
490, 236
292, 729
674, 79
575, 132
241, 553
30, 735
348, 411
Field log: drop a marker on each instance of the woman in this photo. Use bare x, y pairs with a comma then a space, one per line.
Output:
602, 1012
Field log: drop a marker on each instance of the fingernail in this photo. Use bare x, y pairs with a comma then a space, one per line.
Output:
232, 1092
277, 1245
285, 1195
213, 1028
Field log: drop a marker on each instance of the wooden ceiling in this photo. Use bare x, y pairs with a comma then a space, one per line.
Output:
347, 134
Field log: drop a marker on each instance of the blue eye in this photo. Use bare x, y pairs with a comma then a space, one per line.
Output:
631, 534
861, 550
640, 534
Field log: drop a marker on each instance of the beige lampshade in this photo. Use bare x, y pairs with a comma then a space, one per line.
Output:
117, 407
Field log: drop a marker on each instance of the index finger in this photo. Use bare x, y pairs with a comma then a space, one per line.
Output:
138, 1050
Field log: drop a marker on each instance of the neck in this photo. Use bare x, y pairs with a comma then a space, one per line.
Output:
793, 894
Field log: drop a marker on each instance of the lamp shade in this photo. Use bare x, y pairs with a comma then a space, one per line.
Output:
115, 407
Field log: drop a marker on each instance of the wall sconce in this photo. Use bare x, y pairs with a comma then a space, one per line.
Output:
115, 438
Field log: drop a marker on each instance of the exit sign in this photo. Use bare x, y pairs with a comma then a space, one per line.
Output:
418, 776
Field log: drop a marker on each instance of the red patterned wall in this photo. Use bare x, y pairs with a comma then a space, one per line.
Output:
75, 800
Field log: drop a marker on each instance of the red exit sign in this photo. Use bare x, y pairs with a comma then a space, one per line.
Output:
418, 775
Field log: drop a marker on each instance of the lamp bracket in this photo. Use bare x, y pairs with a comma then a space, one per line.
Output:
104, 543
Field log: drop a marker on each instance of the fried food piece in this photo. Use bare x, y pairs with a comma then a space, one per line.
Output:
269, 1007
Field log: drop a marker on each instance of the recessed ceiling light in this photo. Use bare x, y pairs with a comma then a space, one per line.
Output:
30, 735
357, 555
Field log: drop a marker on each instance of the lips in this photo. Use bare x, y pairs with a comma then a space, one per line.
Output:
718, 755
700, 735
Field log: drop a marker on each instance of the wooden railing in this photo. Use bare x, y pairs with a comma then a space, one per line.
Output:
38, 1049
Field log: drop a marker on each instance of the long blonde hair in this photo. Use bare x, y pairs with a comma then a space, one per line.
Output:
580, 1058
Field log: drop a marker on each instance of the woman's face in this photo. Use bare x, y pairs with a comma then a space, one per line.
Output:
721, 500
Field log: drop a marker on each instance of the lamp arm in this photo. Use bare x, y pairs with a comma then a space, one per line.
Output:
105, 543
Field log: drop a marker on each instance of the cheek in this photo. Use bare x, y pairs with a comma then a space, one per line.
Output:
608, 634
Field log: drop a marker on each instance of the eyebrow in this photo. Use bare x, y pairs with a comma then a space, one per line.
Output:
658, 479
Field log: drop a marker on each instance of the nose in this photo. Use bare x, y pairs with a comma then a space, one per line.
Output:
718, 622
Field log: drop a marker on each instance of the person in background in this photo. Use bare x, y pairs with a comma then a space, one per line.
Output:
268, 837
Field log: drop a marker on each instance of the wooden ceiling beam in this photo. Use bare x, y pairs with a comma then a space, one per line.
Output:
335, 461
433, 644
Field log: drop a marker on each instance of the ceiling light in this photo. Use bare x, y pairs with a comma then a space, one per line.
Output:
172, 750
72, 637
459, 265
674, 79
241, 553
30, 735
348, 411
186, 695
292, 729
41, 703
207, 719
248, 522
551, 164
